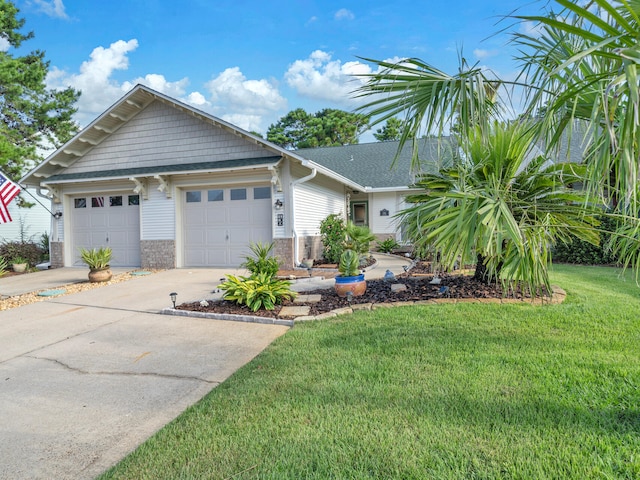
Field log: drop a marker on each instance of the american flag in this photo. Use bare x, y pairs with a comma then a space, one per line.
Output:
8, 191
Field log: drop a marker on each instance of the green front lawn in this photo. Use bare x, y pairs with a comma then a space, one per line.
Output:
447, 391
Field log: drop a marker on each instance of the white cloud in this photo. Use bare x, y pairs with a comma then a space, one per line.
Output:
4, 44
244, 102
94, 80
321, 78
344, 14
53, 8
481, 54
531, 28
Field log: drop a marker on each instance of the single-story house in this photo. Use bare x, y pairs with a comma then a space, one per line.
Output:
166, 185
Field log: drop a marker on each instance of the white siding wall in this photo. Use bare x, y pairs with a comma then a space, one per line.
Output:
158, 215
314, 200
163, 135
35, 220
387, 201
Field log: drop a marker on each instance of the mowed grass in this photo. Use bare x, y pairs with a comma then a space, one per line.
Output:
449, 391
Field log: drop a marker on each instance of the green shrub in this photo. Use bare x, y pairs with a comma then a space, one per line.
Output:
257, 291
29, 251
4, 266
584, 253
263, 261
387, 245
332, 232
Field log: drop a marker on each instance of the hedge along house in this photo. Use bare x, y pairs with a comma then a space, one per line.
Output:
166, 185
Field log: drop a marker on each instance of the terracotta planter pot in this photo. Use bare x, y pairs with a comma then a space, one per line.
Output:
100, 275
357, 285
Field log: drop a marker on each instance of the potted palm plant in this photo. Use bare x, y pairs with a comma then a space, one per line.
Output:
350, 278
97, 259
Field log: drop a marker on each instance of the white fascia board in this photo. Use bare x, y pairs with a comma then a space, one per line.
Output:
324, 171
165, 174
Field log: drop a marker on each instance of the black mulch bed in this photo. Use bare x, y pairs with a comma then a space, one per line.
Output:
378, 291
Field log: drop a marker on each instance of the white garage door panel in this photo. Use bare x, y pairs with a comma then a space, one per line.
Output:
229, 226
107, 220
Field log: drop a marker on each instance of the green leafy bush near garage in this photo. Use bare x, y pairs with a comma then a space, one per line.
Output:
584, 253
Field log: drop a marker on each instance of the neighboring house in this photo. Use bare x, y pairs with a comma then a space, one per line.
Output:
28, 224
166, 185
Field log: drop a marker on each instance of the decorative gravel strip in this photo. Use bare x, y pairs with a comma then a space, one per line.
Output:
33, 297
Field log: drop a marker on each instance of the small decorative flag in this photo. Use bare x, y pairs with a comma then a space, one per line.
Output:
8, 191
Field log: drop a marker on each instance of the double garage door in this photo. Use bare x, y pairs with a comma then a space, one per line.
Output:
107, 220
220, 223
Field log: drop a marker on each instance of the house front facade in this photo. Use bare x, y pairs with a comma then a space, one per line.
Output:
166, 185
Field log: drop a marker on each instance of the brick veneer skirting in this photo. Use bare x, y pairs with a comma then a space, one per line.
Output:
56, 254
158, 253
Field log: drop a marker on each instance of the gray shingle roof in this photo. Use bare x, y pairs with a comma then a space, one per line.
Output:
370, 164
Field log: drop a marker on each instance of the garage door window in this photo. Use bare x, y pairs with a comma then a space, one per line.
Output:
115, 201
238, 194
134, 199
80, 203
260, 193
194, 196
97, 202
215, 195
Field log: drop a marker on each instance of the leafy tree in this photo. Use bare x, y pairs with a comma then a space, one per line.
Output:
501, 205
328, 127
390, 131
31, 116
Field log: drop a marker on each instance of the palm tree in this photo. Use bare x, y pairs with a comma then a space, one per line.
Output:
504, 203
580, 65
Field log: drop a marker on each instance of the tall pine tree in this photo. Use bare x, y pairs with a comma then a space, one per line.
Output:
32, 117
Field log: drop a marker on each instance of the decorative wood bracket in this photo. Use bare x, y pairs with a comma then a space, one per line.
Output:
275, 178
53, 193
165, 185
141, 187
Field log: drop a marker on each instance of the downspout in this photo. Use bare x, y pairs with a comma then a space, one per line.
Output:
294, 184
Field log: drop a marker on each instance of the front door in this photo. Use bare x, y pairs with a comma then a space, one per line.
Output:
360, 213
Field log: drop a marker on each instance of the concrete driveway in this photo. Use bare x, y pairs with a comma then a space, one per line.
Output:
87, 377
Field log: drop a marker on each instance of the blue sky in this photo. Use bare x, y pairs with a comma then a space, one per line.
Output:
250, 62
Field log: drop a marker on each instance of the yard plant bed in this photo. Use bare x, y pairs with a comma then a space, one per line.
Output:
418, 288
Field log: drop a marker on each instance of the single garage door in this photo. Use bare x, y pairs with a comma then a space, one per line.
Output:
107, 220
220, 223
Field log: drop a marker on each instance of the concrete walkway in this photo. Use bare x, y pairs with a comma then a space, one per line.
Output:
86, 377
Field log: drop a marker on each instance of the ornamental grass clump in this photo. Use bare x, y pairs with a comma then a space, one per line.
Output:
261, 289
